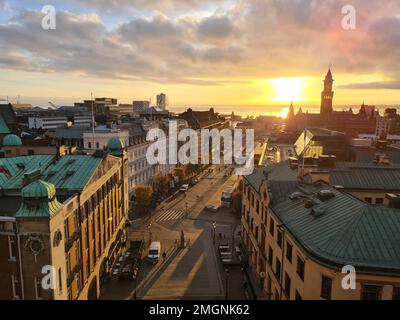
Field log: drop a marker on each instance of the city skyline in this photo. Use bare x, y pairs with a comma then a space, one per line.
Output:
221, 53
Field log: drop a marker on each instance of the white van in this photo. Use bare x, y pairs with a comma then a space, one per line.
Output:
154, 251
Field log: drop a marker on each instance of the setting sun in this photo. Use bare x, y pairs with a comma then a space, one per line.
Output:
284, 113
288, 89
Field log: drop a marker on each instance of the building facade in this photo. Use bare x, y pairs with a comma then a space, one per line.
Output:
63, 217
298, 237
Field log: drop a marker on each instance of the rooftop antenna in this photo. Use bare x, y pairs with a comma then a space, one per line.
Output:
91, 98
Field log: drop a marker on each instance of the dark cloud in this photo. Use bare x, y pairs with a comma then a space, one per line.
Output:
216, 27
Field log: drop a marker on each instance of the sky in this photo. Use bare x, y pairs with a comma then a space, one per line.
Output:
209, 52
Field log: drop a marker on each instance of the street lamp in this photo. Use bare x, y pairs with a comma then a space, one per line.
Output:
214, 232
226, 283
149, 229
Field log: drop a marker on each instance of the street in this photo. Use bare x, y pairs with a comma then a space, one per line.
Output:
195, 270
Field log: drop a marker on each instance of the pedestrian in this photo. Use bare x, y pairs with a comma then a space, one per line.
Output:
164, 255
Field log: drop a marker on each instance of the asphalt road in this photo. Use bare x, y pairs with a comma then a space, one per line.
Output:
193, 272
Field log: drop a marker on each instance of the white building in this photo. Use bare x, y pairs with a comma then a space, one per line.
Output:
101, 136
382, 127
83, 121
47, 123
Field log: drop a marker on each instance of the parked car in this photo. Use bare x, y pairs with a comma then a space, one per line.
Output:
154, 252
211, 208
184, 188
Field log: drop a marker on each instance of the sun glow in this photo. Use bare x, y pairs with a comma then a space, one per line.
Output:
288, 89
284, 113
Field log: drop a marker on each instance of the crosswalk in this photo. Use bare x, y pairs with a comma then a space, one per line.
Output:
170, 215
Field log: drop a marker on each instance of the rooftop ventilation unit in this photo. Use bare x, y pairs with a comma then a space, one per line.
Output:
325, 195
51, 173
70, 173
296, 196
318, 212
309, 204
21, 166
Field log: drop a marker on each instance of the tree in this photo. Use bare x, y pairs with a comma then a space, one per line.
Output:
180, 173
160, 183
144, 194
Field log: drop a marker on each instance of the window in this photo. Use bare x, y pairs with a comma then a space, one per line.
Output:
89, 145
396, 293
278, 267
300, 267
60, 286
270, 255
326, 288
97, 145
11, 248
289, 251
15, 286
279, 239
271, 227
368, 200
371, 292
379, 201
38, 288
287, 285
298, 296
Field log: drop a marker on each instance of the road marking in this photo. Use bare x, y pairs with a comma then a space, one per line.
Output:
170, 215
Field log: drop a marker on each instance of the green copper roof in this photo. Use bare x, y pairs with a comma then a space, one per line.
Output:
39, 189
38, 201
342, 230
71, 172
12, 140
116, 146
367, 178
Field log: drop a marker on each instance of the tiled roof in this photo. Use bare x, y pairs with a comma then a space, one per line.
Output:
342, 230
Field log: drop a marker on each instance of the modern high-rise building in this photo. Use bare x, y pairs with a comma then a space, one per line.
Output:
162, 101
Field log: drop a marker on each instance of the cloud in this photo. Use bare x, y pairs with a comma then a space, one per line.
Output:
236, 39
383, 85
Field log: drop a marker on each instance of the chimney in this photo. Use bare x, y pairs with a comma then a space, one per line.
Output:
394, 200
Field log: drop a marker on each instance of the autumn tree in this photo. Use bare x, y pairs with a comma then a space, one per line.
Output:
144, 194
160, 183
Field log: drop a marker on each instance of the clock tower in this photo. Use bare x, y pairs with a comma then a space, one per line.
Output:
327, 95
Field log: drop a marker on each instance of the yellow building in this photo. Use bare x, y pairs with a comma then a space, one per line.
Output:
299, 236
61, 216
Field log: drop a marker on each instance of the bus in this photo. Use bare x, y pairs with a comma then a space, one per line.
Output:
227, 197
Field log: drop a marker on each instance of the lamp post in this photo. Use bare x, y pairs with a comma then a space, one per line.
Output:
186, 206
214, 228
149, 229
226, 283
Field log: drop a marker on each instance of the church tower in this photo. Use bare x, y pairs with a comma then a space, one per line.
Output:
327, 95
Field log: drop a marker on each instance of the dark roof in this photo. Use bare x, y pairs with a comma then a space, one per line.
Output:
368, 154
366, 177
8, 114
342, 230
201, 119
